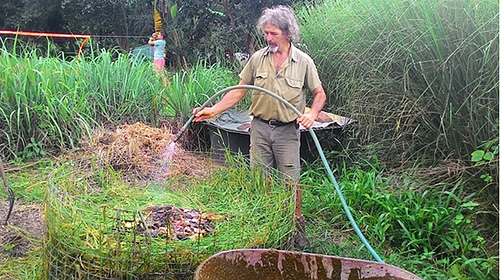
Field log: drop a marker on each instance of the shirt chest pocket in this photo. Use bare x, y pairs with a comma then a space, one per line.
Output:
261, 79
294, 89
294, 83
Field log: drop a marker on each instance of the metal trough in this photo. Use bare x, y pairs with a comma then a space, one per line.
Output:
253, 264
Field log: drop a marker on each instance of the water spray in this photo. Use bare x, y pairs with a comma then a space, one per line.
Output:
318, 146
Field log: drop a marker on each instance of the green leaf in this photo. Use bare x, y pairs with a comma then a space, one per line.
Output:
488, 156
173, 11
477, 155
458, 219
455, 271
470, 205
487, 178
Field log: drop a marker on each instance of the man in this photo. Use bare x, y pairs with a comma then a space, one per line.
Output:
285, 70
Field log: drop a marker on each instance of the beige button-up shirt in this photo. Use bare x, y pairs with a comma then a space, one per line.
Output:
297, 74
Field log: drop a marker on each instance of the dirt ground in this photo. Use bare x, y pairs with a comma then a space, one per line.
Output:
23, 231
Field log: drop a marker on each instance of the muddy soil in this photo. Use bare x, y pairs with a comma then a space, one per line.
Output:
24, 230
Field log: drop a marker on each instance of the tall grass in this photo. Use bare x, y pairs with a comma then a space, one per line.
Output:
188, 88
49, 104
40, 103
117, 88
420, 76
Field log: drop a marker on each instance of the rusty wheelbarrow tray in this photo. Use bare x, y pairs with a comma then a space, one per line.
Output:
270, 264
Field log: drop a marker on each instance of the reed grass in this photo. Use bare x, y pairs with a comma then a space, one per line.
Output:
117, 88
190, 88
36, 103
420, 76
50, 104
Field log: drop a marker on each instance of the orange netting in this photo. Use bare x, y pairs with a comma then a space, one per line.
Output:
85, 37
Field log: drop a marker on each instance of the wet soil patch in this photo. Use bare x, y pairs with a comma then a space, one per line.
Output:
24, 230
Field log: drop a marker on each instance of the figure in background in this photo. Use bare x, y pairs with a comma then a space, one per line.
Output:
158, 42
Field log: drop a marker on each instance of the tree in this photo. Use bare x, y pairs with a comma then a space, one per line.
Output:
111, 22
30, 15
195, 28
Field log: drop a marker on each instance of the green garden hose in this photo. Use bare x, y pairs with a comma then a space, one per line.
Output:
318, 146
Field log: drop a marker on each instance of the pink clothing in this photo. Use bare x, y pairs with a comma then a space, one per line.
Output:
159, 65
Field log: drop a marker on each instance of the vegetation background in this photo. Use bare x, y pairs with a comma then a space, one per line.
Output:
420, 77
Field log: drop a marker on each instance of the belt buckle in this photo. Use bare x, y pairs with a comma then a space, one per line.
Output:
273, 123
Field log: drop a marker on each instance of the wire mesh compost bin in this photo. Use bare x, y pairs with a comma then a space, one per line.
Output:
101, 225
230, 131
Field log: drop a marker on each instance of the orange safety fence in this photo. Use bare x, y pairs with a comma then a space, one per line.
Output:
43, 34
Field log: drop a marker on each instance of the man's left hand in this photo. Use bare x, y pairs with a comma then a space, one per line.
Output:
306, 120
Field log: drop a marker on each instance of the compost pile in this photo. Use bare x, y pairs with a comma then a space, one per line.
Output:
178, 224
141, 150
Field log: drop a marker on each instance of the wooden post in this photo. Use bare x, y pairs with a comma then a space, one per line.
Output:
9, 191
298, 202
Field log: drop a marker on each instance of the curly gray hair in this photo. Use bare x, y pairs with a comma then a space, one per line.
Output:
282, 17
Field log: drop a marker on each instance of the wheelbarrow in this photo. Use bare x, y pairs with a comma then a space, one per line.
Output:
270, 264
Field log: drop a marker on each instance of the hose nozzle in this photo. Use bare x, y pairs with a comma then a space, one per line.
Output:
183, 129
179, 134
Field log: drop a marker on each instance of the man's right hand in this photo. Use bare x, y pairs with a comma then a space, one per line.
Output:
205, 113
228, 101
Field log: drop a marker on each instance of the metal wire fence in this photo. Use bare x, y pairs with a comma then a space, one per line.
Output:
100, 226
